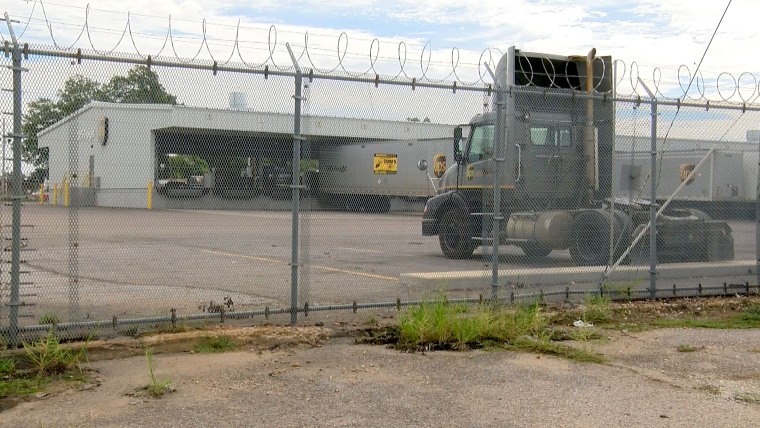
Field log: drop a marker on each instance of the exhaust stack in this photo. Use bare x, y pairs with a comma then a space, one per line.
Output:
589, 140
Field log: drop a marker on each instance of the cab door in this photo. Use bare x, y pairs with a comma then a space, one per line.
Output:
551, 164
477, 172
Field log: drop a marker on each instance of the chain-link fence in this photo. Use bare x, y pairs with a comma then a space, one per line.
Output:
161, 191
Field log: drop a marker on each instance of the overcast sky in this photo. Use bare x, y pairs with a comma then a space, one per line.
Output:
662, 33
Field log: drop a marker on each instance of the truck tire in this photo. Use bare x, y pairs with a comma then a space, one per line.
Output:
590, 237
455, 234
535, 251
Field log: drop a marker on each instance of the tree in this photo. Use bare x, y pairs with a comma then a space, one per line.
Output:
417, 119
183, 166
140, 85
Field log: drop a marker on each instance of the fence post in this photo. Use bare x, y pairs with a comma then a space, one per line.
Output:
757, 215
296, 167
18, 193
503, 111
653, 194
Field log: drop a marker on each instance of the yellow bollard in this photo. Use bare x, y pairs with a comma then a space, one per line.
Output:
66, 193
150, 195
42, 194
55, 194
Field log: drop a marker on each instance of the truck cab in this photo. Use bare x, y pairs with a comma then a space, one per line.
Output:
536, 172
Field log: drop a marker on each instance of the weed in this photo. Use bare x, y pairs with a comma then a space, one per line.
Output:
583, 334
48, 319
751, 315
686, 348
21, 387
443, 324
531, 344
7, 367
747, 397
623, 291
596, 309
209, 345
47, 355
157, 387
739, 321
712, 389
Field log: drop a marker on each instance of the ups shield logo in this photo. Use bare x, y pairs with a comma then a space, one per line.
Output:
439, 164
685, 170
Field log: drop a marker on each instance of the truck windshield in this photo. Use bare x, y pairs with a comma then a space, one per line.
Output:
481, 143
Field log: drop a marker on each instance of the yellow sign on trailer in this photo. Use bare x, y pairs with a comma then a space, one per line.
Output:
385, 163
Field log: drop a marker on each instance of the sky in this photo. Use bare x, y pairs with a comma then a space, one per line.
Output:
419, 39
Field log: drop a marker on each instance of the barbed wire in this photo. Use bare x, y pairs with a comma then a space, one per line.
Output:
665, 83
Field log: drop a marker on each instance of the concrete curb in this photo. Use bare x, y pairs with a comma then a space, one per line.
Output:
579, 275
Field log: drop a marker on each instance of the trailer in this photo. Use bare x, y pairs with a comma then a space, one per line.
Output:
725, 186
549, 149
368, 176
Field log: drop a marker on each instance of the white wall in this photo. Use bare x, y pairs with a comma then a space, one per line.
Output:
125, 161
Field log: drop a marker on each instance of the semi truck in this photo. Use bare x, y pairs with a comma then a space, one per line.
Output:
548, 146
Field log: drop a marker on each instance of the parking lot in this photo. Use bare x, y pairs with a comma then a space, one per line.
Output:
132, 263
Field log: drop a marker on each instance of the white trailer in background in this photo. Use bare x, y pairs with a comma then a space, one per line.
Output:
725, 185
369, 176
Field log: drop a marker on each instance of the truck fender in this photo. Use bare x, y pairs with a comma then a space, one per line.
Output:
440, 204
437, 206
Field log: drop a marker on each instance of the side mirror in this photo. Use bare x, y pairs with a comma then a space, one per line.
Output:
457, 144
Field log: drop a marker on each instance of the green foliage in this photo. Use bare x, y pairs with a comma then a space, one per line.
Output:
20, 387
747, 397
686, 348
48, 356
7, 367
596, 309
140, 85
48, 319
748, 318
441, 324
183, 166
545, 346
209, 345
739, 321
157, 387
751, 315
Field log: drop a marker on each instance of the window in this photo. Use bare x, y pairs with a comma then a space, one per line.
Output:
550, 136
481, 143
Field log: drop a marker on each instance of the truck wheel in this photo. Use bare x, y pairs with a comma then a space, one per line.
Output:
535, 251
455, 234
590, 237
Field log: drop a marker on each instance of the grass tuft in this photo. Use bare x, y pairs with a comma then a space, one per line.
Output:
48, 356
444, 325
157, 387
208, 345
686, 348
